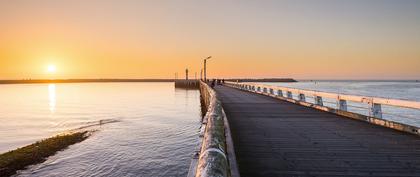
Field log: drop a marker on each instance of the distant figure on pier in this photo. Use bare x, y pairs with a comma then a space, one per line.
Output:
213, 83
223, 81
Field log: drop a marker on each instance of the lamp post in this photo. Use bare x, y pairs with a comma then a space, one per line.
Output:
205, 69
186, 74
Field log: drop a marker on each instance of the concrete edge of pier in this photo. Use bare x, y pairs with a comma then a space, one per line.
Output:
215, 154
372, 120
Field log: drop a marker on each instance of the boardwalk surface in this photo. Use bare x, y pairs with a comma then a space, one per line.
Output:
278, 138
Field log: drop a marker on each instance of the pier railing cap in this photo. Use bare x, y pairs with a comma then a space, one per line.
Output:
354, 98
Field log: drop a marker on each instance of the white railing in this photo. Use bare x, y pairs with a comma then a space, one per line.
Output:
374, 104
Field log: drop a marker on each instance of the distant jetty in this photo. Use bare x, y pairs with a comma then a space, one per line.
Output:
187, 84
38, 81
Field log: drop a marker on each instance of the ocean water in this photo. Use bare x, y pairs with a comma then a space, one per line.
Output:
144, 129
406, 90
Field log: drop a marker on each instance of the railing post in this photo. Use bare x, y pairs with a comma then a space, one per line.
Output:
289, 95
280, 93
302, 97
342, 105
375, 110
318, 101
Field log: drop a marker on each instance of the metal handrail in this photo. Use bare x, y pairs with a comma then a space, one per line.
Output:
374, 103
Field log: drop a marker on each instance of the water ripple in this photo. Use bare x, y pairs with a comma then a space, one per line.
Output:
144, 130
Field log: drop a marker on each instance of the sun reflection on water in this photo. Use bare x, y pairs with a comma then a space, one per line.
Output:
52, 97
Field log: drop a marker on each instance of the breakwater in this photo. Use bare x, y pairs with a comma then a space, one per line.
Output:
18, 159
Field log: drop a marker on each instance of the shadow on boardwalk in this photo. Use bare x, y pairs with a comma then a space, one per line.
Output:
278, 138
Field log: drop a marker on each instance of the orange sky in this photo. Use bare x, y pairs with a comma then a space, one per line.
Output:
155, 39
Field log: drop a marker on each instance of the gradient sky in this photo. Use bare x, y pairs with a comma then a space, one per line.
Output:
328, 39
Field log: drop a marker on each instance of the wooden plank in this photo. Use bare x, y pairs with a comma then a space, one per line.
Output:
277, 138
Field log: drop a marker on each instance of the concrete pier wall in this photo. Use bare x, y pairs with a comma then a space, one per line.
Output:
215, 156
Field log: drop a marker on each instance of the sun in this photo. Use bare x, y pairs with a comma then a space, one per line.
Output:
51, 69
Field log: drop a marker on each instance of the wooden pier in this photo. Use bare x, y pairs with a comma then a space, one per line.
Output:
274, 137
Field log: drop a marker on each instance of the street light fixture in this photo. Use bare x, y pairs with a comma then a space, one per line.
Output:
205, 69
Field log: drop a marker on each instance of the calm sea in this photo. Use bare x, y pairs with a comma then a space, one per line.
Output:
407, 90
144, 129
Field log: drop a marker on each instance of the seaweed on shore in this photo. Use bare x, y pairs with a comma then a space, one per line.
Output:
18, 159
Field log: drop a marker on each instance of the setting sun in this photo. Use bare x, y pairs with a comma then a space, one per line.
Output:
51, 69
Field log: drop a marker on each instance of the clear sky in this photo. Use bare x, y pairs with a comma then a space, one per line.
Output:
328, 39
